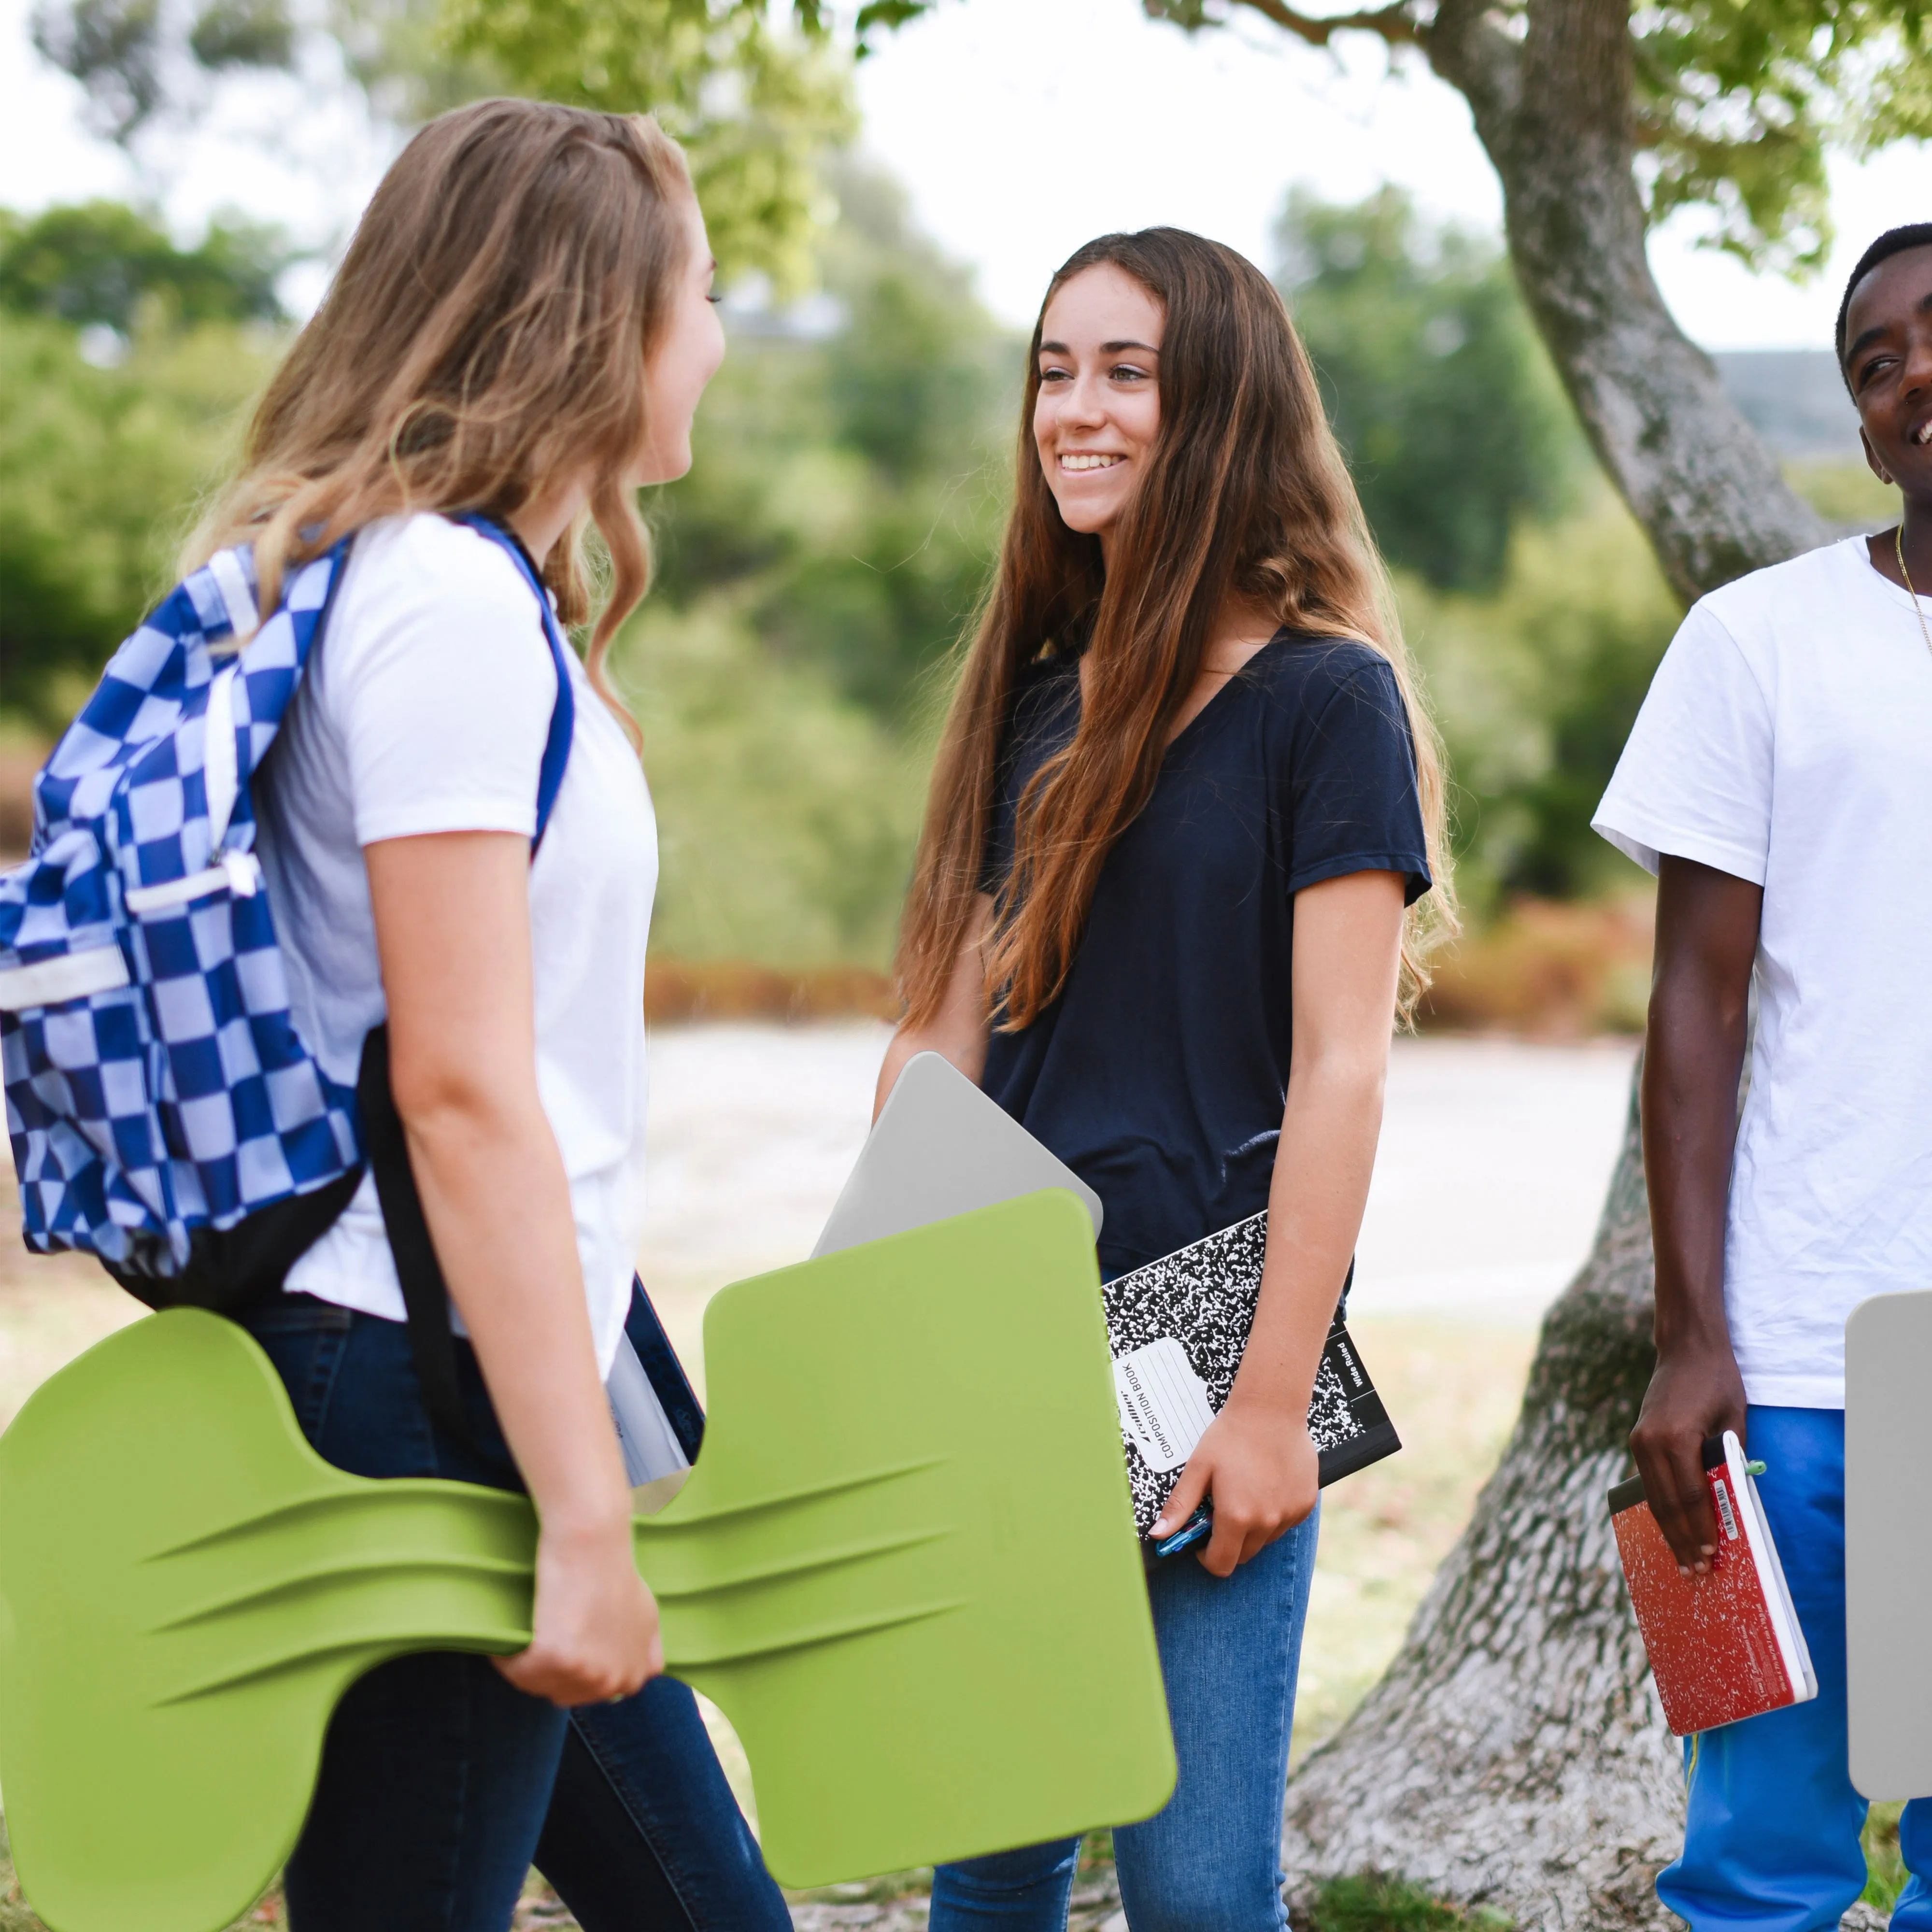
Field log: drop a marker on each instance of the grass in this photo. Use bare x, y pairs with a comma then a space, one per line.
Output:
1372, 1902
1885, 1874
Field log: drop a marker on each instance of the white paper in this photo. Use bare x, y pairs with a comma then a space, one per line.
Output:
1163, 1403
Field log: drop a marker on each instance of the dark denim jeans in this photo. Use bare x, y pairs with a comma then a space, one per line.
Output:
440, 1784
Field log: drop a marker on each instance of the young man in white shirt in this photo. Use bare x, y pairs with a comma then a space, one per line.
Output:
1779, 782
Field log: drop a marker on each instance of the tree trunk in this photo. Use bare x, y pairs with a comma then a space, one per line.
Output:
1515, 1754
1553, 108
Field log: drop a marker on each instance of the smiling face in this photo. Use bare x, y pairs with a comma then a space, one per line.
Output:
1888, 365
1098, 410
684, 360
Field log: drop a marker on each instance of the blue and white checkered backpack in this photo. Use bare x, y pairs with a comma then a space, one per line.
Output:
165, 1114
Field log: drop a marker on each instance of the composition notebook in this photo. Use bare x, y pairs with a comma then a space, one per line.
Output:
1177, 1328
1726, 1645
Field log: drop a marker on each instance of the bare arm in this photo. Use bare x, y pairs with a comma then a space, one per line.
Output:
959, 1030
1707, 930
452, 928
1256, 1458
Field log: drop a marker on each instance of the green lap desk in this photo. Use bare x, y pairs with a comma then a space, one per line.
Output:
905, 1567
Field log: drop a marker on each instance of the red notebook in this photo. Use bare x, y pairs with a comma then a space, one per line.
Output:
1726, 1645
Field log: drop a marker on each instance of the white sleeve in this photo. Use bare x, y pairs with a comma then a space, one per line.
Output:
1694, 780
442, 687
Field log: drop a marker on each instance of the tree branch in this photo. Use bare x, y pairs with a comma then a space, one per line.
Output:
1469, 49
1395, 24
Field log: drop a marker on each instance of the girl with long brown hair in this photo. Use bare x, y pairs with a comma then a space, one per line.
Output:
515, 341
1174, 888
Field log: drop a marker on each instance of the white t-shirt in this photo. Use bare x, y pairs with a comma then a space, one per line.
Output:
426, 709
1787, 740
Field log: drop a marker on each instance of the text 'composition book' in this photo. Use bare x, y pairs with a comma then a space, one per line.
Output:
1725, 1645
1178, 1327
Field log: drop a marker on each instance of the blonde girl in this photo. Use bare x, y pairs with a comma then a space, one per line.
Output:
515, 342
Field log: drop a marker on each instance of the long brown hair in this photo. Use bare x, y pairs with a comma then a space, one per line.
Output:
1246, 493
486, 335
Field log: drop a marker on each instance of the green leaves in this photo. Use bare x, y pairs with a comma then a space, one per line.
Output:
851, 466
113, 48
1734, 107
1452, 423
755, 107
100, 470
101, 262
120, 52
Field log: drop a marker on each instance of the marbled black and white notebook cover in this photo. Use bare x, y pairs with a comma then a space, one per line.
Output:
1177, 1328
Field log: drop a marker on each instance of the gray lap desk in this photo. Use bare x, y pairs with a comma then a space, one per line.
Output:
1889, 1544
941, 1147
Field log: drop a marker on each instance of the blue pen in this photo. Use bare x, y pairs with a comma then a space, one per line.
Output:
1195, 1529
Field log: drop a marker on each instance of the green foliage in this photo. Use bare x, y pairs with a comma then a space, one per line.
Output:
113, 48
756, 103
122, 51
243, 34
1737, 106
1536, 688
100, 470
786, 814
1445, 402
847, 488
755, 108
1374, 1903
1845, 493
100, 261
1885, 1874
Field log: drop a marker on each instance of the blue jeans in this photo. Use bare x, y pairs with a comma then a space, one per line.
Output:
1770, 1837
441, 1784
1210, 1860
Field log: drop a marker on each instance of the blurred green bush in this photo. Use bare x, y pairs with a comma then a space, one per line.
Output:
101, 470
852, 461
1535, 686
786, 811
102, 262
1445, 404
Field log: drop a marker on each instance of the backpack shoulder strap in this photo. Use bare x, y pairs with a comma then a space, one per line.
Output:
425, 1295
563, 716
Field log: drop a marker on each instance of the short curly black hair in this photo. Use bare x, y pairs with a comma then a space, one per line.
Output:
1893, 241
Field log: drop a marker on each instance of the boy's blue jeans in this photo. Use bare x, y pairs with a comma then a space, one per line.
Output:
1211, 1861
441, 1785
1771, 1838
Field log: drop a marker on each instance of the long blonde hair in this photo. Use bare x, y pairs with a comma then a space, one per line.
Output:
485, 336
1246, 493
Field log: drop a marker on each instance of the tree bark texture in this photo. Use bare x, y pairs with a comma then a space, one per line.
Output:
1514, 1755
1550, 91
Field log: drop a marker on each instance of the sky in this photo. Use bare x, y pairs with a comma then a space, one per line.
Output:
1020, 128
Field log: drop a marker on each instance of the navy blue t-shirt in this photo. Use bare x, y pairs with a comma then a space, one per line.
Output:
1159, 1074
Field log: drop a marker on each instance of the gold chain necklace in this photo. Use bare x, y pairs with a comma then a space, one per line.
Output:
1918, 609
